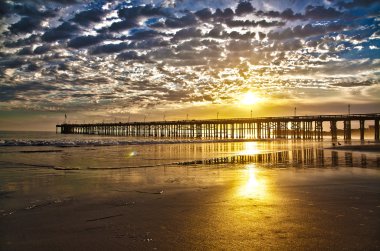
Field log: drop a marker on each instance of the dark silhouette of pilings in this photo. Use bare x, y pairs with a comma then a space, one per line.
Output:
293, 127
307, 157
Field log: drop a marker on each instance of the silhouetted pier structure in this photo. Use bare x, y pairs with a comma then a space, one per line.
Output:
290, 127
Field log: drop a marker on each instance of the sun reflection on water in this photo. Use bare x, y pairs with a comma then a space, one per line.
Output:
253, 186
250, 148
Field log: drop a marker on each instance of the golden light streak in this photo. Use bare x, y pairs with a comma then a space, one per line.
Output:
255, 186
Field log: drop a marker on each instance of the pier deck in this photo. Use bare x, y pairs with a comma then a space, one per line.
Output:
294, 127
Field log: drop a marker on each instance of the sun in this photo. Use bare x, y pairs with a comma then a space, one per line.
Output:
250, 98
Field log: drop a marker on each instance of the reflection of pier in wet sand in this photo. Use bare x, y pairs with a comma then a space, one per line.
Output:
309, 157
294, 127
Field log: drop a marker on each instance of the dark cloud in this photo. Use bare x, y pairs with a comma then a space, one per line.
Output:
216, 32
311, 12
123, 25
63, 31
161, 53
150, 43
262, 35
238, 35
143, 34
41, 49
130, 55
290, 45
189, 45
84, 41
321, 13
204, 14
11, 63
357, 84
134, 12
252, 23
290, 15
87, 17
25, 51
305, 31
244, 7
30, 10
110, 48
187, 33
187, 20
25, 25
10, 92
32, 67
226, 14
21, 42
5, 8
239, 45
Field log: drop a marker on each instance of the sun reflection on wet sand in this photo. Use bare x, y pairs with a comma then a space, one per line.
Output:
254, 186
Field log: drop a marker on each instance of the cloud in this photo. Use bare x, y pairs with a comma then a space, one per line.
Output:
252, 23
311, 12
237, 45
122, 25
21, 42
25, 25
150, 43
137, 11
321, 13
130, 55
63, 31
109, 48
5, 8
84, 41
10, 92
30, 10
244, 7
41, 49
87, 17
187, 33
143, 34
204, 14
187, 20
25, 51
174, 54
11, 63
305, 31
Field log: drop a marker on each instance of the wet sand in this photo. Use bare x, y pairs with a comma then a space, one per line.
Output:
227, 207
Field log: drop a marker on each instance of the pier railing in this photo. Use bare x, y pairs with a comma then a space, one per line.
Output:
295, 127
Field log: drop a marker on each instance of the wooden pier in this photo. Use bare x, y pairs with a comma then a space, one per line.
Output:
290, 127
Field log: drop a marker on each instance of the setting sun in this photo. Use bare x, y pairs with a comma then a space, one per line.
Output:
250, 98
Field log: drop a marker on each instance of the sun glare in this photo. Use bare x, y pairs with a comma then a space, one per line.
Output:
250, 98
254, 186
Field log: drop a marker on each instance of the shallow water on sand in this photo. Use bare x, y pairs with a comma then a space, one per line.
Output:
139, 193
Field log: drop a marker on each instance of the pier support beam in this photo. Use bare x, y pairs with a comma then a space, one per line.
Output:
347, 130
361, 128
334, 130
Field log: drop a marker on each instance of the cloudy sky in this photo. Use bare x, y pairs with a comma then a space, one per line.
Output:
114, 60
